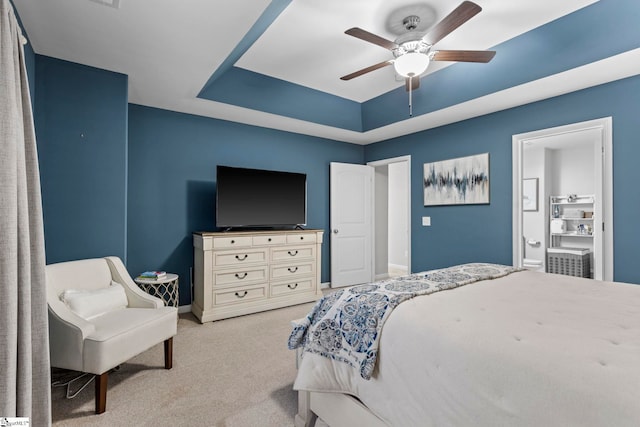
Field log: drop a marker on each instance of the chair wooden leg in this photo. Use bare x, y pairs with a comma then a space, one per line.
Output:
168, 353
101, 392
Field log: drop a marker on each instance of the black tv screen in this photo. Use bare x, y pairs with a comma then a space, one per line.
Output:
260, 198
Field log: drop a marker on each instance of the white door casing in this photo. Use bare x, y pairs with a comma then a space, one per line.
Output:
603, 177
351, 224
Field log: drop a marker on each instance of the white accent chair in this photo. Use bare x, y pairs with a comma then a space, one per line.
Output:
100, 342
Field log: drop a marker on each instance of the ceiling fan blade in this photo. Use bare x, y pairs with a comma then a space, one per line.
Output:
464, 55
459, 16
415, 83
366, 70
371, 38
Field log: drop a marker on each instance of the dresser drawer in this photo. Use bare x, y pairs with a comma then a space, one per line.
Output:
265, 240
231, 242
238, 277
293, 286
249, 256
301, 238
235, 296
293, 253
292, 270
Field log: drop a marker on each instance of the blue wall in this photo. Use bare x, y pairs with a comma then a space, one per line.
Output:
172, 163
483, 232
143, 179
81, 128
135, 182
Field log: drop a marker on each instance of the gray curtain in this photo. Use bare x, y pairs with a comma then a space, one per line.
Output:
25, 389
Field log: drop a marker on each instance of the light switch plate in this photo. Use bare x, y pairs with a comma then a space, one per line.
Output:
426, 221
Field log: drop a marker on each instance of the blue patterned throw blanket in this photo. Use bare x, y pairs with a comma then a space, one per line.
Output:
345, 325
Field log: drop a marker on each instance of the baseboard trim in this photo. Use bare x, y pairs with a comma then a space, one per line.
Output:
325, 285
184, 309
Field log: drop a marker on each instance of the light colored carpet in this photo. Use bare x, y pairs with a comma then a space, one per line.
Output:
397, 271
231, 373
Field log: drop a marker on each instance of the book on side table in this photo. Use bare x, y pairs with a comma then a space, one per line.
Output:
152, 275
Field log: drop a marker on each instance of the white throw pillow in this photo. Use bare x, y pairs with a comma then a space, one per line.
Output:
95, 302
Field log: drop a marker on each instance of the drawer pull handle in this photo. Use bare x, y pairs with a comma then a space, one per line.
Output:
292, 287
292, 270
244, 294
269, 239
243, 258
294, 253
233, 241
301, 237
241, 277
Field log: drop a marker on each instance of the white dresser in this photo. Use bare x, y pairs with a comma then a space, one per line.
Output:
244, 272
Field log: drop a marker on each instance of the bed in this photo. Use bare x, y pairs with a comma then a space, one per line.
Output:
517, 349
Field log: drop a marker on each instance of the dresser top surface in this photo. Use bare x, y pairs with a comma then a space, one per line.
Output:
253, 232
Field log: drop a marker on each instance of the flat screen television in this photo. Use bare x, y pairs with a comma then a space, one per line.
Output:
255, 198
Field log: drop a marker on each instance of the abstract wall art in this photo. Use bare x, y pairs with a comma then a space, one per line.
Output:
461, 181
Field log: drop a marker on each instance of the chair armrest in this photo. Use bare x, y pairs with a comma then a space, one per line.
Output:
136, 296
67, 332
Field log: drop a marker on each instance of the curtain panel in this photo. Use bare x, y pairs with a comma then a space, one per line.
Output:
25, 389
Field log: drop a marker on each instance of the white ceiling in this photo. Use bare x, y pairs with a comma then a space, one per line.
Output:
307, 45
170, 49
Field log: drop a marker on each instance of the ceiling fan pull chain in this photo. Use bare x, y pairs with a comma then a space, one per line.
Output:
410, 97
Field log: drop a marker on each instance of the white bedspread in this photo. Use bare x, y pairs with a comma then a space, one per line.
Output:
528, 349
345, 325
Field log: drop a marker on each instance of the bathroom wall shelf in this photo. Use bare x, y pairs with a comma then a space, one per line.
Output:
575, 219
573, 234
566, 209
577, 216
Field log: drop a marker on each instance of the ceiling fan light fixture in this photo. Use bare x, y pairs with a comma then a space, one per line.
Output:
411, 64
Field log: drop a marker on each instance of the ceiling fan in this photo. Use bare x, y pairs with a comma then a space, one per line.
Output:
413, 51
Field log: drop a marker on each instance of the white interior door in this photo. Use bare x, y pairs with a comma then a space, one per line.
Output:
351, 224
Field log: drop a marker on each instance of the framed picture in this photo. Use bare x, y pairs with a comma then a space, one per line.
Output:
461, 181
530, 194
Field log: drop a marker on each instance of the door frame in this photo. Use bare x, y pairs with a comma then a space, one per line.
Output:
385, 162
605, 126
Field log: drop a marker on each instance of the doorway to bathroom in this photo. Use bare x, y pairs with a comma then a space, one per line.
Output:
563, 200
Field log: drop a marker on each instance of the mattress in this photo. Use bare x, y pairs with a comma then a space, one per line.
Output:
527, 349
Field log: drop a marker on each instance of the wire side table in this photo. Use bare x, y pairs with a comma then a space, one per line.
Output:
165, 288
